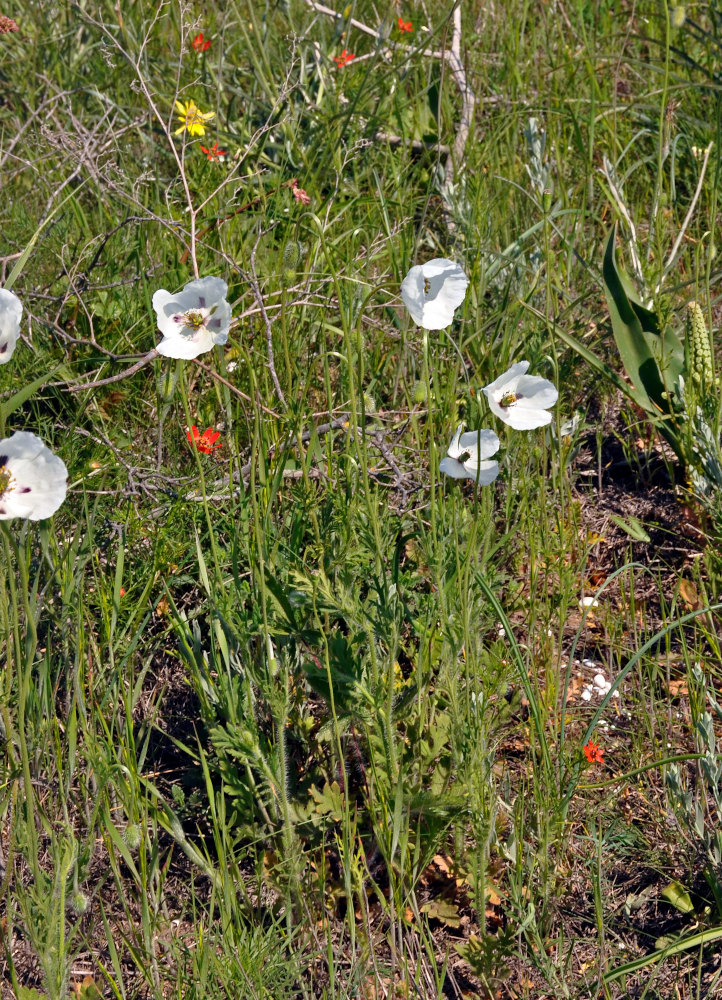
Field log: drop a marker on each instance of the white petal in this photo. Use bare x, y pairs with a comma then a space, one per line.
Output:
220, 321
210, 288
483, 473
507, 382
177, 346
524, 417
541, 390
166, 306
11, 311
482, 444
450, 467
454, 448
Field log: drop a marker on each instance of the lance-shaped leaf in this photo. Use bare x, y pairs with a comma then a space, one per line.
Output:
653, 357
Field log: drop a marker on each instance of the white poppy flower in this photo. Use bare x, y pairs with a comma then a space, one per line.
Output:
432, 292
11, 311
521, 400
193, 320
467, 457
33, 481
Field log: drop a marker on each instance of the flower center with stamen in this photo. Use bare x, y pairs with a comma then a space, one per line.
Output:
508, 398
464, 457
427, 286
6, 480
193, 319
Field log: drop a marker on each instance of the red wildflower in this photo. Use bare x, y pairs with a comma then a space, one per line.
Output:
299, 194
7, 24
344, 58
594, 753
203, 442
214, 153
405, 25
201, 44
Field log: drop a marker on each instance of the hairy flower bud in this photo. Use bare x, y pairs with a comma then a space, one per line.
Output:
167, 382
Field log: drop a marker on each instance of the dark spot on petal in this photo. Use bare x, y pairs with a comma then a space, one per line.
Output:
214, 324
3, 347
2, 510
179, 318
202, 301
3, 460
24, 489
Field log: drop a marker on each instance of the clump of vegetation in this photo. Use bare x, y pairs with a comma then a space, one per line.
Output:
359, 452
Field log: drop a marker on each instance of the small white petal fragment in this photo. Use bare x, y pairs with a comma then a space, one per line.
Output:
33, 481
433, 291
522, 401
467, 457
194, 319
11, 311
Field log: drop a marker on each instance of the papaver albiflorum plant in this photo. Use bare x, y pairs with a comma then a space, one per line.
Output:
194, 319
33, 481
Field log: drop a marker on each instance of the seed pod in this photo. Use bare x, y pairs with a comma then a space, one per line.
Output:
701, 368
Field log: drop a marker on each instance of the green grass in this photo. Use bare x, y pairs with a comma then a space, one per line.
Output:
301, 718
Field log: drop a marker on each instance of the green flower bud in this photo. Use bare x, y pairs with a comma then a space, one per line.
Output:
167, 383
291, 259
80, 903
418, 393
678, 16
132, 836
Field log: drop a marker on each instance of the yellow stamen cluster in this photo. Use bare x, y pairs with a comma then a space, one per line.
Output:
507, 399
194, 320
6, 480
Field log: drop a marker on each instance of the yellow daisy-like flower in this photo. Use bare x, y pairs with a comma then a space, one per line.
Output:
194, 120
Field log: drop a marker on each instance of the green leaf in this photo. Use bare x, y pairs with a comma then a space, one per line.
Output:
632, 526
24, 394
652, 358
695, 941
676, 894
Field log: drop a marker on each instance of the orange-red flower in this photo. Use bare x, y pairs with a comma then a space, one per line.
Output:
299, 194
594, 753
206, 441
201, 44
344, 58
214, 153
405, 25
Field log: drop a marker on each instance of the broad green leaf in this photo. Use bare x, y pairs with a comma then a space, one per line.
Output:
676, 894
636, 356
653, 358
